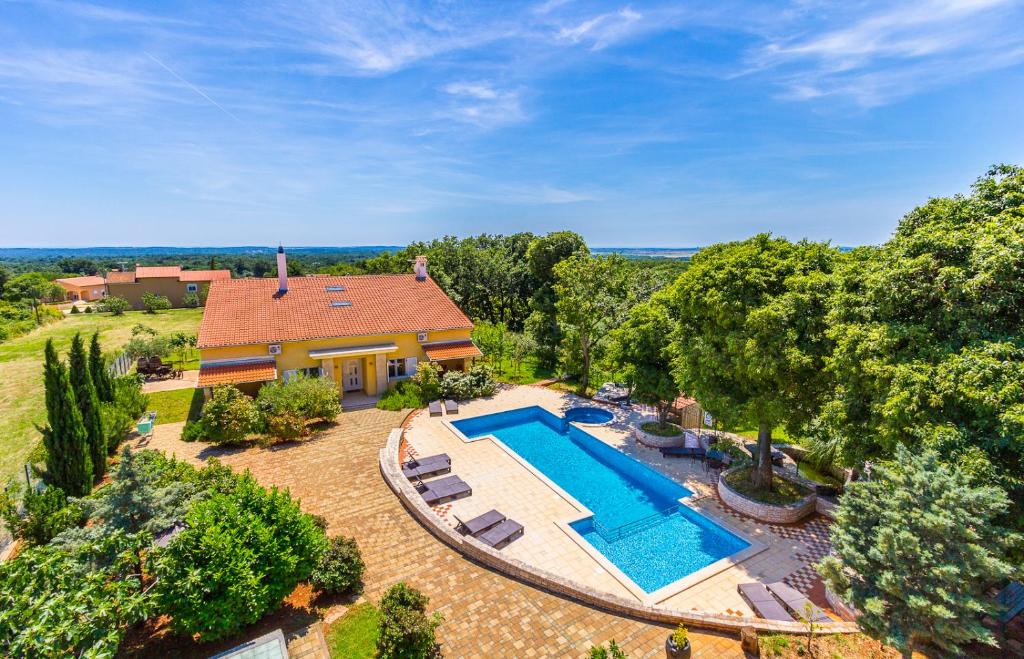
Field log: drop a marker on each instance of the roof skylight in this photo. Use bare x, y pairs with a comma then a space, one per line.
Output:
335, 289
340, 303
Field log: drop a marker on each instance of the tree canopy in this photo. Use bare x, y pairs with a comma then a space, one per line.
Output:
750, 343
640, 350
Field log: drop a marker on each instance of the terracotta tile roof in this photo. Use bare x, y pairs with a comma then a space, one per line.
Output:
247, 311
452, 350
683, 401
142, 271
204, 275
214, 374
121, 277
81, 281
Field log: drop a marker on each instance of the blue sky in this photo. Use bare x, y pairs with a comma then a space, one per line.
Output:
361, 122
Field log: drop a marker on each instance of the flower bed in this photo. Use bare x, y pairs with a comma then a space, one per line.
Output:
760, 510
658, 439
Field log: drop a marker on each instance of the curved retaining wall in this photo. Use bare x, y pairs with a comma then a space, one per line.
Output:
657, 441
763, 511
475, 550
844, 610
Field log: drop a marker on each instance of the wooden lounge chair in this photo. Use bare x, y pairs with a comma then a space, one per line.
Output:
426, 467
762, 602
502, 534
435, 408
444, 489
451, 407
479, 524
796, 602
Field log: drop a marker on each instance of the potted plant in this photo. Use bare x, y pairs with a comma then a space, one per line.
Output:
677, 645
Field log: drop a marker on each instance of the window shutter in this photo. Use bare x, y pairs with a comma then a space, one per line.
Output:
410, 366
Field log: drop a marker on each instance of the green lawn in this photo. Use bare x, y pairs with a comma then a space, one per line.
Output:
354, 635
177, 405
528, 373
779, 434
21, 364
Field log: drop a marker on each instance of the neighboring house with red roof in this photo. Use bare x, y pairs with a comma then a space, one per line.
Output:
365, 332
86, 289
168, 280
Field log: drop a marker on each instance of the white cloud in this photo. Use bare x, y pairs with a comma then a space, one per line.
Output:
604, 29
482, 104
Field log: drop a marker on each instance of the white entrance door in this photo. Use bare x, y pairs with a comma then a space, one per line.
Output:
353, 374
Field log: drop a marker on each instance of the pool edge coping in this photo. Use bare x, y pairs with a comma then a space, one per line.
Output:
658, 595
473, 549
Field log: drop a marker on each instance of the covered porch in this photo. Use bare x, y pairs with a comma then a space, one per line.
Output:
361, 373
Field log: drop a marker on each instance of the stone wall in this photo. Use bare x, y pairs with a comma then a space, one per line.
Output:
657, 441
475, 550
845, 611
763, 511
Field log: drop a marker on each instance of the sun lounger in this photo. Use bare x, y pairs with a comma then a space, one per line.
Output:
683, 451
444, 489
1011, 603
795, 601
426, 467
762, 602
479, 524
502, 534
451, 407
435, 408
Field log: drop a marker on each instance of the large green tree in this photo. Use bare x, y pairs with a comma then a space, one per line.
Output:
543, 255
640, 350
750, 343
89, 405
929, 338
915, 548
32, 288
591, 294
68, 461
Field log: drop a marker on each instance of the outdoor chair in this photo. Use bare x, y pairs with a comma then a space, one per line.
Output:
451, 407
797, 602
435, 408
502, 534
480, 523
426, 467
443, 490
696, 452
762, 602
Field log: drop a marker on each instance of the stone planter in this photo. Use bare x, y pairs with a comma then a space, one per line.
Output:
765, 512
657, 441
845, 611
673, 651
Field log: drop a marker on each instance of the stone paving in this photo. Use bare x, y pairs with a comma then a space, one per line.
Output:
188, 380
500, 481
486, 614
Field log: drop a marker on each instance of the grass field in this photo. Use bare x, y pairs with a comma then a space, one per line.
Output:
177, 405
528, 372
354, 635
21, 366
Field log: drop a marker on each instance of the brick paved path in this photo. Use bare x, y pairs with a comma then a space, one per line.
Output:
486, 614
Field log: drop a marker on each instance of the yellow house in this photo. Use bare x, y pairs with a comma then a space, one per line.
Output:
365, 332
168, 280
86, 289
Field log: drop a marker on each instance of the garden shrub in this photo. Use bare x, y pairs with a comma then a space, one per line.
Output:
142, 345
190, 300
75, 309
307, 397
229, 416
78, 602
115, 305
286, 425
340, 568
428, 379
406, 631
153, 302
474, 383
404, 395
88, 310
240, 555
117, 423
613, 651
45, 513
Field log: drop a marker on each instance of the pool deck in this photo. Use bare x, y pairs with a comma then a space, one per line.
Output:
502, 481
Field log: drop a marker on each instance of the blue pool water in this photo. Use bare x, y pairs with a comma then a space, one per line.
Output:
638, 523
588, 415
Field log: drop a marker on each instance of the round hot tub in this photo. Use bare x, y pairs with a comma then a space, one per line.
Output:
590, 416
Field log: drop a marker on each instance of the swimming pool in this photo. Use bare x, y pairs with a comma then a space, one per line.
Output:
638, 523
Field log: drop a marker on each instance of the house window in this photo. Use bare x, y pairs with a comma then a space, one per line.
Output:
396, 369
192, 288
313, 372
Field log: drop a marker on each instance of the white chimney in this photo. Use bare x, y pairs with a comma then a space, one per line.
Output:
420, 268
282, 271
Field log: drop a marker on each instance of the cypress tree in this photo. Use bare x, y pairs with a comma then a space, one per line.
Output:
88, 405
68, 465
98, 368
